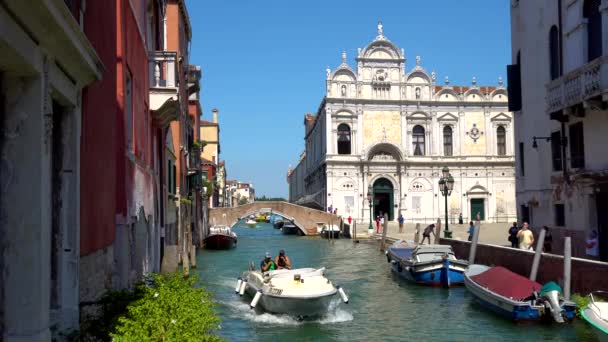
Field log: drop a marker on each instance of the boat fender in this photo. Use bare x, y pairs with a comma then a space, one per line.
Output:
243, 286
388, 257
239, 281
256, 299
342, 294
399, 267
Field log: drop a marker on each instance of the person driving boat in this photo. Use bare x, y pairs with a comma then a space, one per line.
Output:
282, 261
267, 264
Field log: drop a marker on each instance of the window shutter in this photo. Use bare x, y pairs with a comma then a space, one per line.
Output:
514, 89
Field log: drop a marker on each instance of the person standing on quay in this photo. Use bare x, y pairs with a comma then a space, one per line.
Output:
350, 220
378, 224
426, 234
471, 230
513, 235
525, 237
460, 220
592, 245
400, 219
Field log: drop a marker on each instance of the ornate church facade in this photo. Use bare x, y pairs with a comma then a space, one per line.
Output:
388, 132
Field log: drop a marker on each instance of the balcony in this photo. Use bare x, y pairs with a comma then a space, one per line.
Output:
194, 159
164, 99
587, 85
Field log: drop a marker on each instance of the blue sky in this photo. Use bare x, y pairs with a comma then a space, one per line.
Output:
264, 64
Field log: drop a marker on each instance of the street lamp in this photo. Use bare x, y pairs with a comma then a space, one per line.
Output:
446, 184
369, 200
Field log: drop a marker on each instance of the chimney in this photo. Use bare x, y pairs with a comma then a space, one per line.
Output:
214, 111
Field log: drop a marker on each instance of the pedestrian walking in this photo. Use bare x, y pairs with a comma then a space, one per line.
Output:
525, 237
460, 220
350, 220
335, 211
471, 230
401, 220
513, 235
378, 224
426, 234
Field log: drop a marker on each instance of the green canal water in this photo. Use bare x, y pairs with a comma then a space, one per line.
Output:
382, 307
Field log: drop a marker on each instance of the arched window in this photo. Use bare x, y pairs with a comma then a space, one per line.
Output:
418, 140
447, 141
501, 141
554, 52
343, 139
591, 12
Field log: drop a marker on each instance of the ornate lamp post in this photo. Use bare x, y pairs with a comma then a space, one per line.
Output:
446, 184
369, 200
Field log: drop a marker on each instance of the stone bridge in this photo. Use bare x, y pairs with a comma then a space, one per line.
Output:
304, 218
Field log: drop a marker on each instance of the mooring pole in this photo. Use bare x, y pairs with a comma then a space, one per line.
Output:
567, 266
417, 233
473, 249
384, 229
539, 251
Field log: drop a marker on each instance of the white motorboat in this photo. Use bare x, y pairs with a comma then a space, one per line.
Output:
596, 314
332, 231
251, 223
220, 237
303, 292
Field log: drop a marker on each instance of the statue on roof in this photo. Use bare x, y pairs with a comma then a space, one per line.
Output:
344, 57
417, 60
433, 75
328, 72
500, 81
380, 31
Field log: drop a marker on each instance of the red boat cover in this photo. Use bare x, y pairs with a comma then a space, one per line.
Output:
506, 283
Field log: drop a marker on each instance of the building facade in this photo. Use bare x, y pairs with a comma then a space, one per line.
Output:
560, 87
384, 130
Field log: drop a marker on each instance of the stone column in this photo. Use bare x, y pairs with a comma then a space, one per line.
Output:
25, 208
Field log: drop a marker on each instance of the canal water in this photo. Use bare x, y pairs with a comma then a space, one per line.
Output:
382, 307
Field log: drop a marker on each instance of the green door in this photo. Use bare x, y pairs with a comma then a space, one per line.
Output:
477, 206
384, 198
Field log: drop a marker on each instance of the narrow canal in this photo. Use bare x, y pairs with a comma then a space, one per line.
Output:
381, 308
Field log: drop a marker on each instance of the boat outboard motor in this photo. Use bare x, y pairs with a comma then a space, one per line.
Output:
550, 292
553, 301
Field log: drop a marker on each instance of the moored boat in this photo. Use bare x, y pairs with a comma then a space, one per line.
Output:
516, 297
251, 223
278, 223
260, 218
332, 232
304, 292
290, 229
220, 237
434, 265
596, 314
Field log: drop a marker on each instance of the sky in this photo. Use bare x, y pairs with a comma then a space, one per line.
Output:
264, 64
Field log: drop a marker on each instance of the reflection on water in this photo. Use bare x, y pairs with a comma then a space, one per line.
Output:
382, 307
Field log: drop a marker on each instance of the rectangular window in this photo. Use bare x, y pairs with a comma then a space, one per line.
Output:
514, 89
560, 215
129, 110
577, 145
174, 179
525, 213
556, 150
522, 169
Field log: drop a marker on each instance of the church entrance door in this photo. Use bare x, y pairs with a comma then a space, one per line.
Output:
383, 198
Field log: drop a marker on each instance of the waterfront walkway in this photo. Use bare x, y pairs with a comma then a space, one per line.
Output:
490, 233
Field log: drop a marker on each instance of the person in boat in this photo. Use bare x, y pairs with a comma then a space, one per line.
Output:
282, 261
268, 264
426, 234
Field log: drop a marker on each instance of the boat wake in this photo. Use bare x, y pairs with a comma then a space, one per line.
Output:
239, 309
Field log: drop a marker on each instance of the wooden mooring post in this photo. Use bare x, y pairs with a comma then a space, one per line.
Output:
384, 229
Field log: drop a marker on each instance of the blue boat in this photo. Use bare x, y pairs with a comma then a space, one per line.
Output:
516, 297
432, 265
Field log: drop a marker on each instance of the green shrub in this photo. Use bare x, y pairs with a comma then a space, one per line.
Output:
581, 303
169, 310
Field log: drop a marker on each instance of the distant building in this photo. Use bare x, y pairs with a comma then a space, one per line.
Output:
243, 193
559, 84
389, 131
